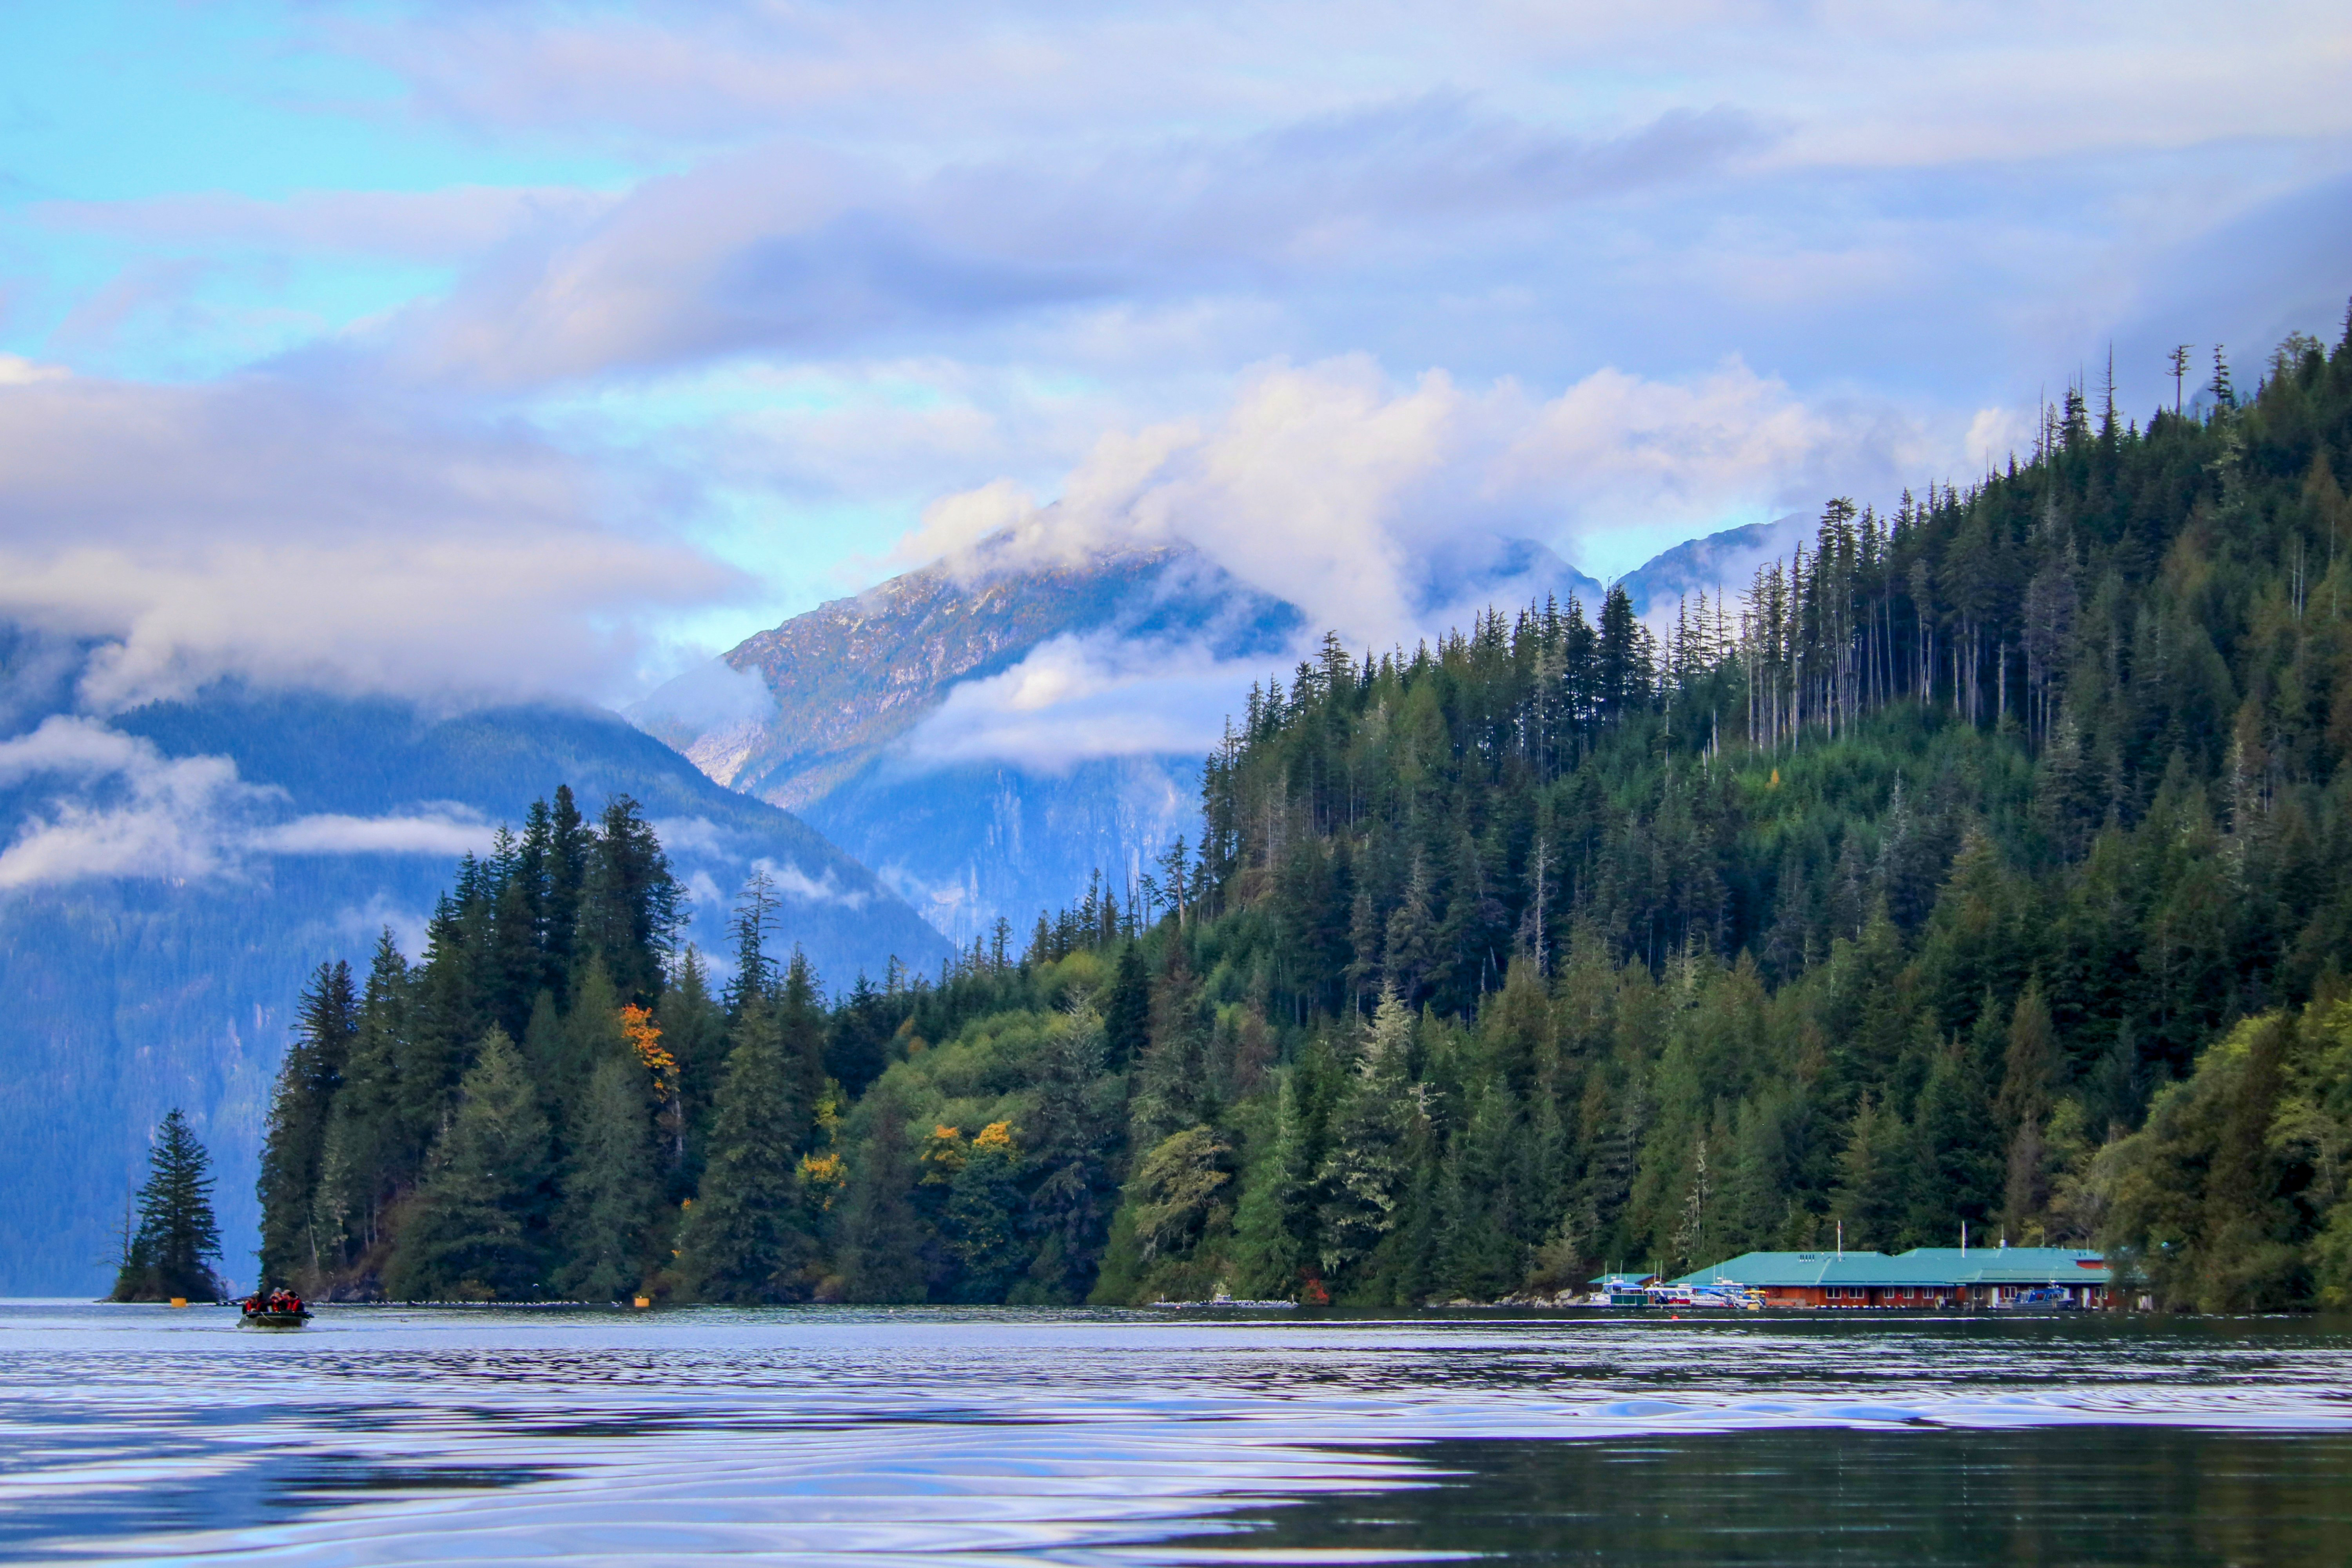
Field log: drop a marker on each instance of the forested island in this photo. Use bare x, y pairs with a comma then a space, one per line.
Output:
1988, 862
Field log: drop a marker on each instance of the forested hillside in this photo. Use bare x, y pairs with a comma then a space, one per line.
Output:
1988, 862
157, 917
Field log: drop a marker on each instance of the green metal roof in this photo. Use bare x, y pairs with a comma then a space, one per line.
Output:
1937, 1266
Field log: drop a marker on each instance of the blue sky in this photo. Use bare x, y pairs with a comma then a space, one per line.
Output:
544, 347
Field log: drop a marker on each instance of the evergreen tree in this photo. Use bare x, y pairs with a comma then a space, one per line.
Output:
178, 1239
2028, 1080
368, 1151
631, 906
1869, 1200
800, 1038
327, 1023
590, 1034
477, 1228
1126, 1019
566, 858
1273, 1221
755, 917
610, 1191
744, 1239
1172, 1086
1364, 1177
855, 1047
881, 1237
1954, 1170
696, 1029
1071, 1132
1179, 1194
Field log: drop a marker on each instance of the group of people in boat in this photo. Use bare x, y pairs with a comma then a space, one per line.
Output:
278, 1303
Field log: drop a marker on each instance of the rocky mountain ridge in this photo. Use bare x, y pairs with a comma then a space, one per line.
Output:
817, 714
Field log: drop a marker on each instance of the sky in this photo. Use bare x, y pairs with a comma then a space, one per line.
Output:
547, 349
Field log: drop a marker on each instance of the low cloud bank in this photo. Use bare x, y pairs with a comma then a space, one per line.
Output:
1075, 699
699, 838
104, 804
288, 530
1334, 487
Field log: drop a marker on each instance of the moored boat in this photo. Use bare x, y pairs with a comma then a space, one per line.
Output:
1622, 1290
2047, 1299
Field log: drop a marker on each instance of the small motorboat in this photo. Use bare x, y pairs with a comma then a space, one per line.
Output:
259, 1316
2047, 1299
276, 1319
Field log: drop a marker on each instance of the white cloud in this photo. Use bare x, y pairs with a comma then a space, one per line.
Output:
411, 929
144, 815
1075, 699
16, 371
1334, 487
1994, 435
693, 835
703, 889
84, 748
698, 838
288, 532
798, 886
119, 807
1942, 80
964, 243
332, 833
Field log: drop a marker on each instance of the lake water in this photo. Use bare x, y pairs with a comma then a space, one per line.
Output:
398, 1435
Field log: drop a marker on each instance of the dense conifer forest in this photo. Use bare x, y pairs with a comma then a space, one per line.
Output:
1989, 861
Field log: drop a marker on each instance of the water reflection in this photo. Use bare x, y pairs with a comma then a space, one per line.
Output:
384, 1436
2129, 1494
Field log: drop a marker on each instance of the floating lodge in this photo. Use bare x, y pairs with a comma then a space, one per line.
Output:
2049, 1276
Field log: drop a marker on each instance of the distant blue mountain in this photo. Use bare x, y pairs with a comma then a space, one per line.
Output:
1480, 571
167, 985
819, 714
815, 715
1718, 564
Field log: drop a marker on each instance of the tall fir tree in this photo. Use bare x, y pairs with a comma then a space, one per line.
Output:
326, 1024
177, 1241
1070, 1137
1127, 1017
746, 1237
881, 1235
632, 906
1365, 1176
477, 1229
610, 1190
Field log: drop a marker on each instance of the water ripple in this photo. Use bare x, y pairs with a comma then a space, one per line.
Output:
384, 1436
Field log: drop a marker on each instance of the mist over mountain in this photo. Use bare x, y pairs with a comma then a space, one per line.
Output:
171, 874
990, 729
1718, 564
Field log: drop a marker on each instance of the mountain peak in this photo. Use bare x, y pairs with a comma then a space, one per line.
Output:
1718, 564
788, 713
